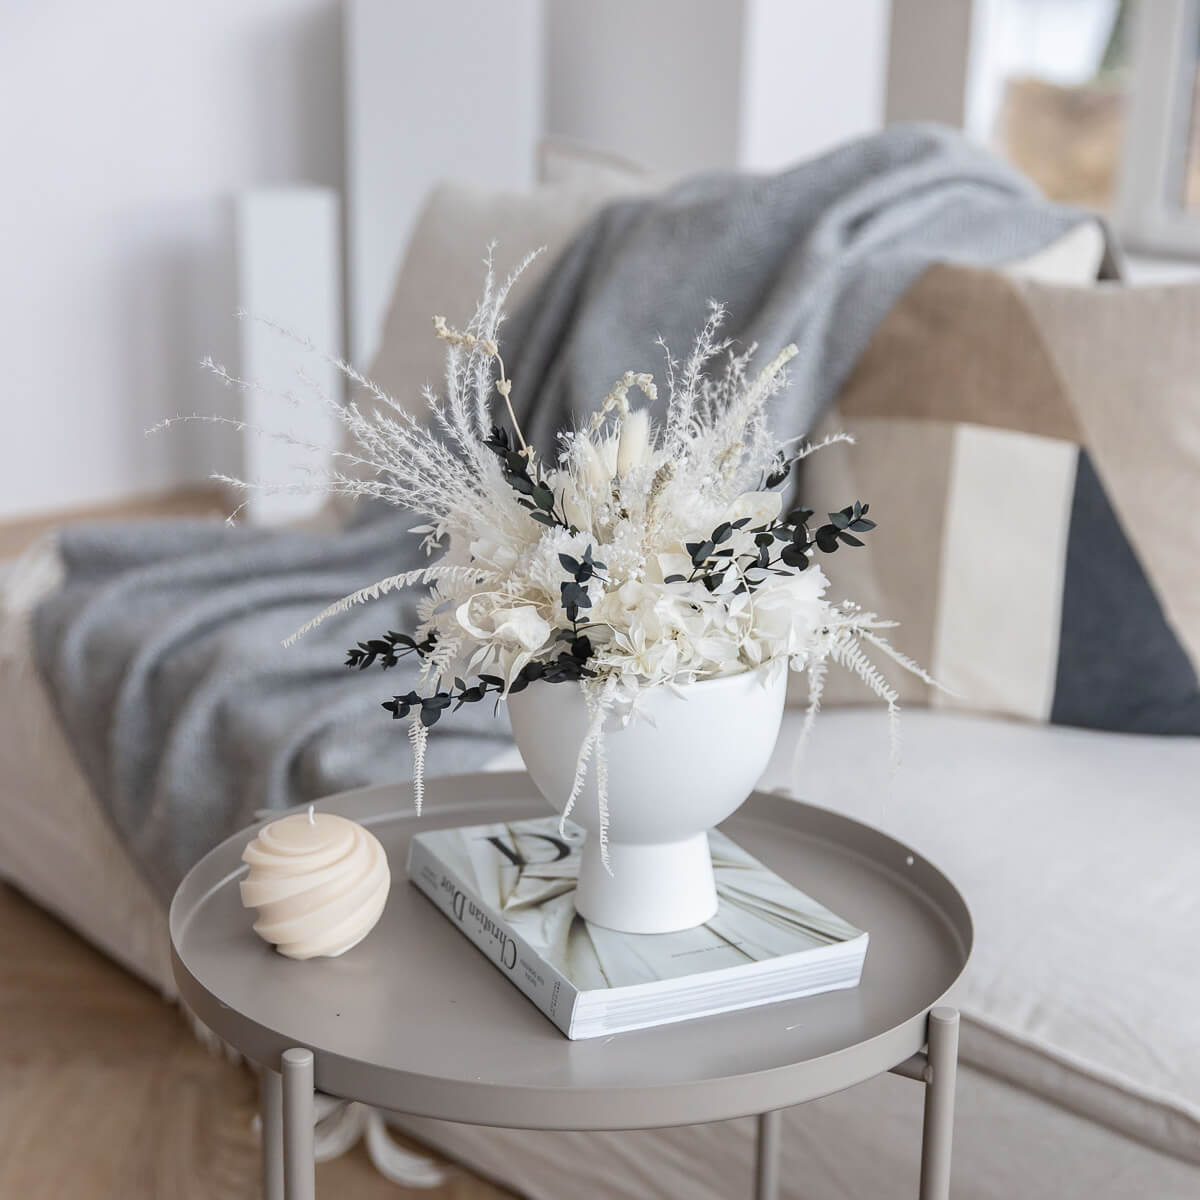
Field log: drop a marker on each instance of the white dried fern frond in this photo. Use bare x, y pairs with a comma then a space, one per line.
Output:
868, 634
593, 752
830, 439
686, 388
436, 572
445, 652
602, 799
817, 672
418, 738
848, 653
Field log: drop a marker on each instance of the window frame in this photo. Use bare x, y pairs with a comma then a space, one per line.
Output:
1154, 156
929, 69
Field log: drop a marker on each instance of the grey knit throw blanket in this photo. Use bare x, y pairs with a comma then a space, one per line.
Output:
161, 650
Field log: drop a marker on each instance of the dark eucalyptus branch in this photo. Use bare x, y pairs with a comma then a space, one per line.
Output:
388, 650
523, 477
565, 667
712, 559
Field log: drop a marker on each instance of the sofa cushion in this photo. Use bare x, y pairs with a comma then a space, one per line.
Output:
442, 269
1079, 855
1032, 453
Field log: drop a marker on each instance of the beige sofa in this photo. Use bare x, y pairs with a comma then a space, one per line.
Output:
1078, 852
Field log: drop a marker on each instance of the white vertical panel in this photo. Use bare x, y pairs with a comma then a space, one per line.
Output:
449, 90
1003, 560
813, 75
289, 272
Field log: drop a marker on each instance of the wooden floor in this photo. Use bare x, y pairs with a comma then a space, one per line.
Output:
105, 1093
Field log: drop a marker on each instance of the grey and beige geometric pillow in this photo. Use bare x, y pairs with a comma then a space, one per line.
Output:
1032, 455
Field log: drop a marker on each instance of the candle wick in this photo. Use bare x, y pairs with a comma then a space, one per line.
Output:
311, 819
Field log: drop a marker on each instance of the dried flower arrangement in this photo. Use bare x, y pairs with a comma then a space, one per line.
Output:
643, 556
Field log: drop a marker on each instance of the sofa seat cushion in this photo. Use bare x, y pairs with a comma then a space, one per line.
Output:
1079, 855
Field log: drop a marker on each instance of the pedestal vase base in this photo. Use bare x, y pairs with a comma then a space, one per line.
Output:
652, 888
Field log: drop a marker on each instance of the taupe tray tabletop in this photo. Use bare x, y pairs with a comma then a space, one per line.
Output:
416, 1020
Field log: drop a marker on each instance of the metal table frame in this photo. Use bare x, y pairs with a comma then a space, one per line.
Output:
289, 1169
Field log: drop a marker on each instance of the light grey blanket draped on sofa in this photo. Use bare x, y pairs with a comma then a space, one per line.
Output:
162, 648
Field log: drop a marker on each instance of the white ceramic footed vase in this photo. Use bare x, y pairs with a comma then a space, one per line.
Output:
681, 765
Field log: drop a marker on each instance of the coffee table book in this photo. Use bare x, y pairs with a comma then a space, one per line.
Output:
509, 888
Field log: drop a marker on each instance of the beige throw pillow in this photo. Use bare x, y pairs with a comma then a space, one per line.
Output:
443, 267
1032, 455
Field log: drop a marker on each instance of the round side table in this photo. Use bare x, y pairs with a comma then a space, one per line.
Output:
416, 1020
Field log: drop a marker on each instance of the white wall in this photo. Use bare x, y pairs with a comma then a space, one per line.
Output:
684, 85
126, 128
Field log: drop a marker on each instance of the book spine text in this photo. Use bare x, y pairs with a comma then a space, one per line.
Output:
551, 991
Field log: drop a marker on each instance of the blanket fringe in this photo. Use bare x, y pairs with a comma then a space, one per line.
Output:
205, 1036
338, 1124
25, 582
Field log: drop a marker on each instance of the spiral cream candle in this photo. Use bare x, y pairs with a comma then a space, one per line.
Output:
318, 881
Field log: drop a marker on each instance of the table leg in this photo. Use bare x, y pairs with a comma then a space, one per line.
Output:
766, 1167
938, 1134
271, 1104
299, 1166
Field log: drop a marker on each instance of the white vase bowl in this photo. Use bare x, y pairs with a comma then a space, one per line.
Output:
681, 765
